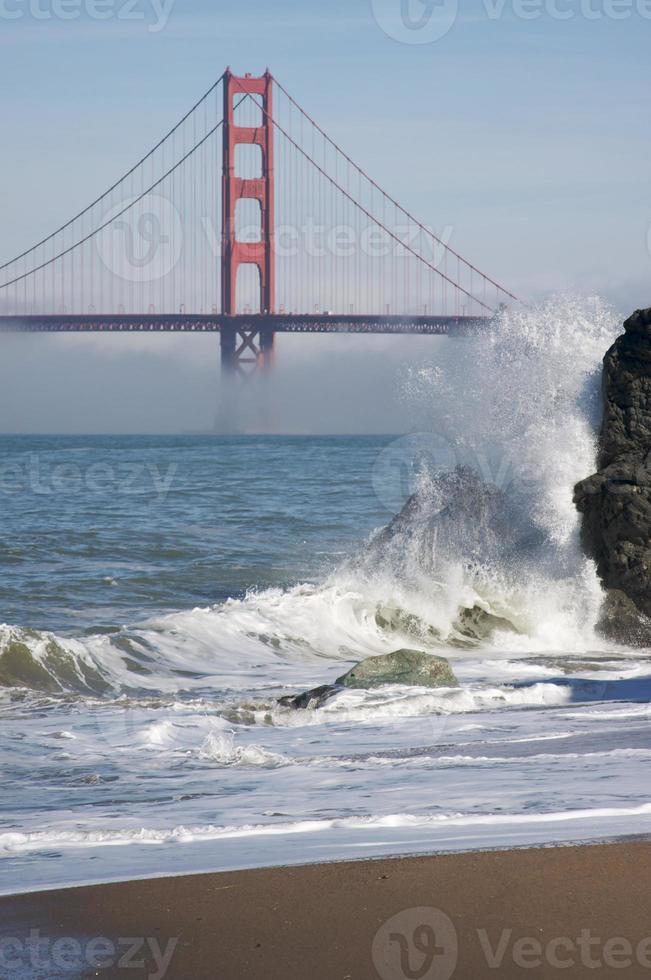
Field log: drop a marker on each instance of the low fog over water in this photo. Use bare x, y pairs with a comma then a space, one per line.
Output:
173, 384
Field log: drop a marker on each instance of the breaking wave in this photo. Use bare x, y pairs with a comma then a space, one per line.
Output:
485, 555
12, 842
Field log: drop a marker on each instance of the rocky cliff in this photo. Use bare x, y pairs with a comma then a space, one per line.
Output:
616, 501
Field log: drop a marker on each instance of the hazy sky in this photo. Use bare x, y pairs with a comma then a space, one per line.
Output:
524, 127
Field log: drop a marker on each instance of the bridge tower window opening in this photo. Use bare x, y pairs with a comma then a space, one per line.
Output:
249, 163
248, 221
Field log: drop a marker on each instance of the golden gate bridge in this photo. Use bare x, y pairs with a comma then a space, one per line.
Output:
300, 240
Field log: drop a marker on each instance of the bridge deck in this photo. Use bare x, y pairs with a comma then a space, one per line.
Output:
215, 322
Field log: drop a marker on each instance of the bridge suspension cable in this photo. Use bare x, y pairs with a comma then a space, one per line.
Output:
114, 217
410, 217
436, 279
142, 246
152, 243
118, 182
372, 218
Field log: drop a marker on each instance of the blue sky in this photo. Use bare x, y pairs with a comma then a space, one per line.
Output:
529, 137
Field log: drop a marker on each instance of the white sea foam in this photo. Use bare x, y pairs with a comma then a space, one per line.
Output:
525, 395
182, 709
520, 405
12, 842
222, 750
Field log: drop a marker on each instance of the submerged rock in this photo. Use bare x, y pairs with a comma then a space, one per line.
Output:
616, 501
410, 667
477, 624
401, 667
458, 514
315, 698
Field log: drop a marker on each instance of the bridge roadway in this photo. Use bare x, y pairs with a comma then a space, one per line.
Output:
215, 322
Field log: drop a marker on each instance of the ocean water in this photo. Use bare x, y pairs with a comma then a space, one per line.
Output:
159, 594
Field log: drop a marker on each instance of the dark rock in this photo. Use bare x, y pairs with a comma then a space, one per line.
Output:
459, 514
622, 621
410, 667
616, 501
456, 518
315, 698
477, 624
626, 428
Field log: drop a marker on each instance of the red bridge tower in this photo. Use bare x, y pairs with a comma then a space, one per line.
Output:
247, 347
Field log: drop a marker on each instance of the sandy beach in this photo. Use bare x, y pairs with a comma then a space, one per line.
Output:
572, 911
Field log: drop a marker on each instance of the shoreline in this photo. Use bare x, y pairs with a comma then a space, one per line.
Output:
326, 862
499, 913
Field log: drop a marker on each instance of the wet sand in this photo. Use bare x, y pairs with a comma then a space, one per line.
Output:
548, 912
